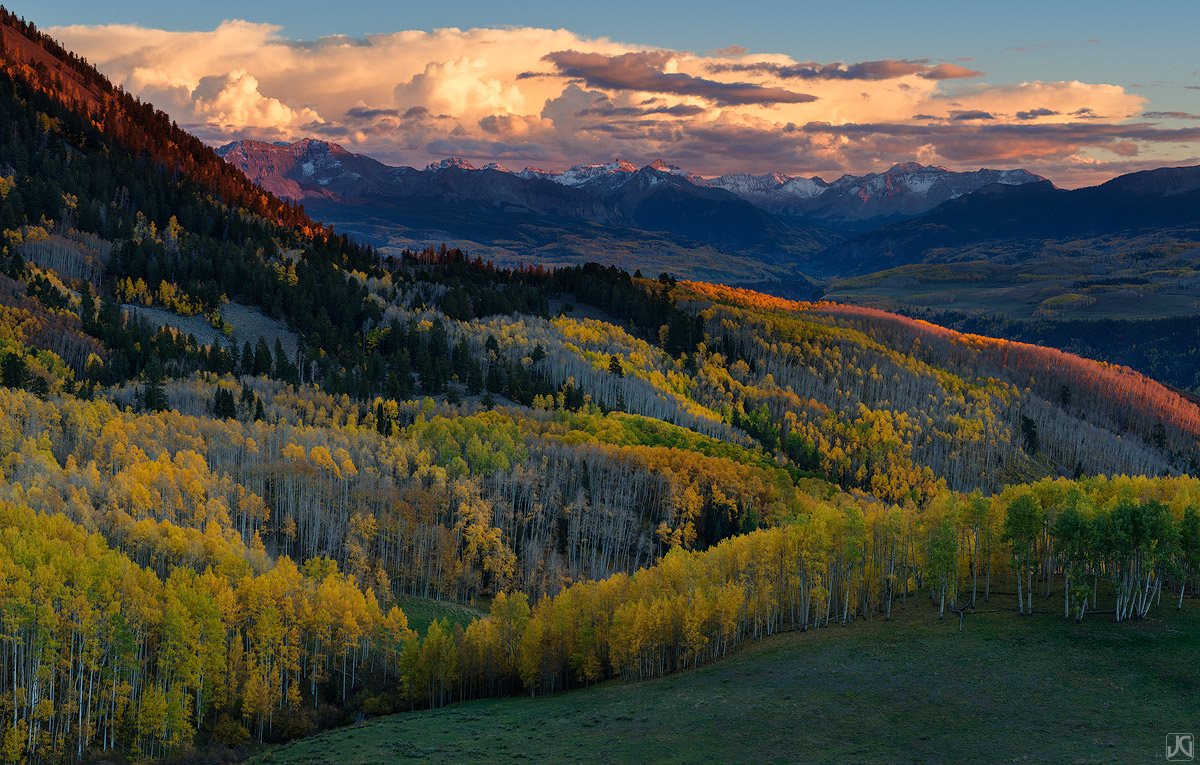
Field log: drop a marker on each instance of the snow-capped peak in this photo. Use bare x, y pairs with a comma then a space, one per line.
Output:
662, 167
449, 162
913, 167
581, 174
775, 185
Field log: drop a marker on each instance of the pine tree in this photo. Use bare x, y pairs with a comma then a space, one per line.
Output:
154, 396
14, 371
224, 406
262, 358
247, 360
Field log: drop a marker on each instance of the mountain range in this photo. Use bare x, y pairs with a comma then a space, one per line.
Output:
740, 227
1025, 218
312, 169
772, 218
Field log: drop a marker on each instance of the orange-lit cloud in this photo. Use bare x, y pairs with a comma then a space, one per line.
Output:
552, 98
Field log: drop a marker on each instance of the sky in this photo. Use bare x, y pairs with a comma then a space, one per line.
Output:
1077, 92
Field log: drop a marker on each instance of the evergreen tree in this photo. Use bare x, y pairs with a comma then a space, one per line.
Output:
262, 358
495, 379
400, 381
247, 360
154, 396
14, 370
224, 406
284, 369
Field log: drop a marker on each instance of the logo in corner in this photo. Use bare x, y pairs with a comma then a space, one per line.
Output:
1181, 747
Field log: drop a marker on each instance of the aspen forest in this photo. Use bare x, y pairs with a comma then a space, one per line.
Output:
207, 540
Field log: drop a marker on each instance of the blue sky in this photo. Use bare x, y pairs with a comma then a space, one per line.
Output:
1137, 43
1145, 51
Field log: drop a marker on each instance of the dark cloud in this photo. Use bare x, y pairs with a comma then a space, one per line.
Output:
644, 71
370, 115
887, 69
1170, 116
925, 117
366, 118
1191, 87
970, 114
1033, 114
678, 110
1085, 114
330, 130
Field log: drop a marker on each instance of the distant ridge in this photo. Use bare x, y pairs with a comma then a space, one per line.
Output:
1151, 200
905, 190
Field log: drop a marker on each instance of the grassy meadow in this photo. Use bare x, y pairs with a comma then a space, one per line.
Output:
915, 690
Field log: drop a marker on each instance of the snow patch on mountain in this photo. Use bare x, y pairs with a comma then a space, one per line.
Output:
450, 162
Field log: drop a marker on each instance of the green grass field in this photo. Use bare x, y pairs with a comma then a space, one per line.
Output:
422, 612
914, 690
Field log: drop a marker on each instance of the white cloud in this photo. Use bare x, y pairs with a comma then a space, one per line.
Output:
410, 96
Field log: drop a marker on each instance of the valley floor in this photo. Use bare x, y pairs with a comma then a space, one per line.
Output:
913, 690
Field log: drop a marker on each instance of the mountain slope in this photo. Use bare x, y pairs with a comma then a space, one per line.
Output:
1167, 198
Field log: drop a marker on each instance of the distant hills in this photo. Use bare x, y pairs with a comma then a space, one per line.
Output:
587, 211
1026, 217
774, 218
741, 228
315, 167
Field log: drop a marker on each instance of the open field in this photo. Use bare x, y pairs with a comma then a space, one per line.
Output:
914, 690
422, 612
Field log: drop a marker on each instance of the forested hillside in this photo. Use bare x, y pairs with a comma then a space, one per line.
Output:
205, 543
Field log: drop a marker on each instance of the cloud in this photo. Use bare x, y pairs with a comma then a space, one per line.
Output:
233, 99
1033, 114
887, 69
553, 98
1170, 116
728, 52
972, 114
459, 86
678, 110
646, 72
